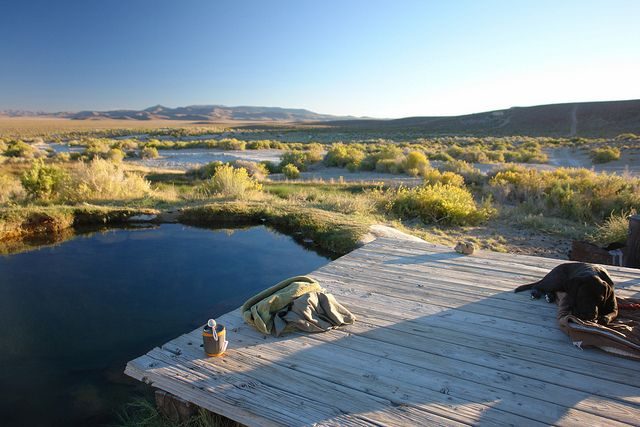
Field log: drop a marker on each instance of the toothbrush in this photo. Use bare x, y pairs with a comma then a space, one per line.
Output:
212, 324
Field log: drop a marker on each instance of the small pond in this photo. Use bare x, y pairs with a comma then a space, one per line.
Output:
73, 314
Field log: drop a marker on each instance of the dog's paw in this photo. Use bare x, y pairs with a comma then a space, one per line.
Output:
535, 294
550, 297
603, 320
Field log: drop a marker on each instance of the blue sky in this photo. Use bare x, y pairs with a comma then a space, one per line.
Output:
376, 58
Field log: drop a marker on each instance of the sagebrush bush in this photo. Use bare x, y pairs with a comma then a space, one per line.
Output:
343, 155
415, 160
470, 173
22, 149
43, 181
438, 203
11, 189
578, 194
149, 152
231, 182
290, 171
434, 176
605, 154
301, 159
614, 229
232, 144
258, 171
101, 179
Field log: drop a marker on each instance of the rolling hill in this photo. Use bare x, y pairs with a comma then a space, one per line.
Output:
206, 113
604, 119
595, 119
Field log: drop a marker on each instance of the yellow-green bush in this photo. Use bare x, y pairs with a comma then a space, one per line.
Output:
43, 181
101, 179
605, 154
290, 171
578, 194
434, 176
10, 189
149, 152
438, 203
342, 155
470, 173
231, 182
614, 229
415, 160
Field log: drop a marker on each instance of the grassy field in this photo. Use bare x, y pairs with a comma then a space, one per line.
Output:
511, 208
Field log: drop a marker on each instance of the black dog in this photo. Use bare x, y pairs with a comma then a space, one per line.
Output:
589, 289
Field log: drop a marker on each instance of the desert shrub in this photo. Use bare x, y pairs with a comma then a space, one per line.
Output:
231, 182
261, 144
271, 166
205, 171
495, 156
470, 173
21, 149
101, 179
290, 171
62, 157
315, 152
43, 181
438, 203
525, 155
627, 137
441, 156
301, 159
256, 170
605, 154
393, 166
10, 189
115, 155
343, 155
95, 149
434, 176
415, 160
614, 229
578, 194
473, 155
232, 144
149, 152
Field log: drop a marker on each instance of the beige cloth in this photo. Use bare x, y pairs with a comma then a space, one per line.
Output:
621, 337
312, 312
295, 303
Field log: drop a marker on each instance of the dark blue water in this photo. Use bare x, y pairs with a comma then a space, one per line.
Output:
72, 315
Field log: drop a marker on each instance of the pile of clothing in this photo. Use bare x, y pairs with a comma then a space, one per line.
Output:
298, 303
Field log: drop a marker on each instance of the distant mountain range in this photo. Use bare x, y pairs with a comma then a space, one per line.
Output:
607, 118
203, 113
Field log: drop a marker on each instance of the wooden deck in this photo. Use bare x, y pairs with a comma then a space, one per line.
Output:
441, 339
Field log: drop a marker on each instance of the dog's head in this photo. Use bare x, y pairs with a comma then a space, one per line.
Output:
589, 295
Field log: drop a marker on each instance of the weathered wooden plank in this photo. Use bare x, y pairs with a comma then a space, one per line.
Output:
512, 259
523, 265
408, 368
375, 306
440, 339
511, 275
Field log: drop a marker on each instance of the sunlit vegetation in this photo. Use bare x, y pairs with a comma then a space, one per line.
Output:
449, 194
605, 154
